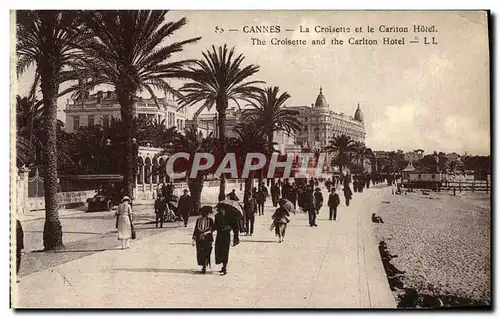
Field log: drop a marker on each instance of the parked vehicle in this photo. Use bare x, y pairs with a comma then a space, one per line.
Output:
105, 199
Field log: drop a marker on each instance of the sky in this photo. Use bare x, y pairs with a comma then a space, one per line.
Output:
432, 97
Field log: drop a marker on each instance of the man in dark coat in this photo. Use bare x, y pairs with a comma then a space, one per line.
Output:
19, 246
285, 189
250, 206
292, 196
333, 203
185, 206
260, 197
347, 195
318, 200
224, 224
275, 193
160, 206
328, 184
308, 206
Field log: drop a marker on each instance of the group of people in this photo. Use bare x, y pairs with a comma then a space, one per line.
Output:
299, 194
168, 208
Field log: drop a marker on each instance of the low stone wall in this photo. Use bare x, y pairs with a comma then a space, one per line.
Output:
65, 198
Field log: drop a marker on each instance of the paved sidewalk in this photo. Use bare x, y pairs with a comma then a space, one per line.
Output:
334, 265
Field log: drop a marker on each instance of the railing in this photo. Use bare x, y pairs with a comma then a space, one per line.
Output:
467, 185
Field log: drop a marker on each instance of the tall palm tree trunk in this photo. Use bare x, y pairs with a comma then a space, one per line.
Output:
52, 229
222, 138
341, 162
195, 186
125, 98
270, 139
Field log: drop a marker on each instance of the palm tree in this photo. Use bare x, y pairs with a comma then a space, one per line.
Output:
370, 156
393, 159
159, 134
216, 80
359, 151
251, 138
49, 40
269, 113
129, 51
193, 142
341, 145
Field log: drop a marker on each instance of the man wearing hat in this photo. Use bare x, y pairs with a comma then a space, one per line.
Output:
185, 206
160, 206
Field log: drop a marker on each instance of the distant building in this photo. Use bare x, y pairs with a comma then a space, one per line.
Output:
285, 142
414, 155
205, 127
100, 107
321, 124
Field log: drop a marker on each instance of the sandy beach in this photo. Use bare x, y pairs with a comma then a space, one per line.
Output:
442, 243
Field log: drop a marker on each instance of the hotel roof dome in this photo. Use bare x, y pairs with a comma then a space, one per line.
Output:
358, 115
321, 100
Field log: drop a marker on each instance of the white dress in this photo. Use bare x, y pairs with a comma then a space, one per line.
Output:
124, 226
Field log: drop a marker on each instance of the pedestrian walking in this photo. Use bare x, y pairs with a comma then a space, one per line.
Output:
185, 206
250, 207
19, 247
318, 200
308, 206
281, 217
333, 203
275, 193
124, 222
203, 238
260, 199
285, 189
347, 195
224, 224
328, 184
160, 206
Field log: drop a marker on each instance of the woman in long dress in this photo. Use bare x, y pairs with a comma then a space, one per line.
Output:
202, 236
124, 219
224, 224
280, 221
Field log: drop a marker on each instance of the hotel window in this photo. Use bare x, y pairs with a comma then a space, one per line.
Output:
76, 122
90, 121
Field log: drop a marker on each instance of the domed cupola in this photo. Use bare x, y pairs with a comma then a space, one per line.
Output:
358, 115
321, 100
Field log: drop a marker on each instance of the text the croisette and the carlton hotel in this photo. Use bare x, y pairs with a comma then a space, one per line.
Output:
338, 34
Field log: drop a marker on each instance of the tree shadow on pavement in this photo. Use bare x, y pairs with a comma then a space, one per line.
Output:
77, 250
165, 270
70, 232
259, 241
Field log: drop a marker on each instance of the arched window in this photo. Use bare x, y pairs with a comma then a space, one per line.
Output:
155, 170
140, 164
161, 171
147, 170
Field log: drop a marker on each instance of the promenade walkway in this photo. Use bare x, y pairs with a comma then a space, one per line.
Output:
334, 265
